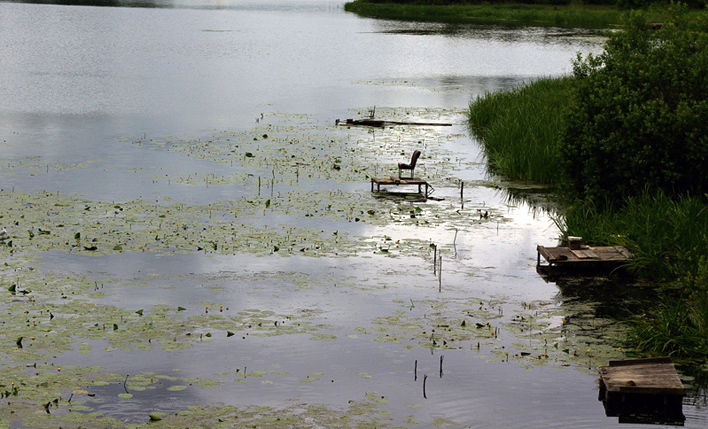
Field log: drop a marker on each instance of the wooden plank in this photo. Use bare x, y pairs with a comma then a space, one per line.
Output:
624, 252
641, 376
584, 254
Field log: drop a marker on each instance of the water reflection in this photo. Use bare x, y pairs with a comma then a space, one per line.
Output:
301, 5
591, 37
109, 3
605, 292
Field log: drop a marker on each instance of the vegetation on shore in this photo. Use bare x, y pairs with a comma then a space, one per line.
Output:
579, 16
630, 140
520, 129
537, 13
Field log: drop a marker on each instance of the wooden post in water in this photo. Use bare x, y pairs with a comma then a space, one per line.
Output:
440, 274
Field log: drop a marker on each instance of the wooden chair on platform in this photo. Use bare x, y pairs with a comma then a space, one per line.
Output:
411, 166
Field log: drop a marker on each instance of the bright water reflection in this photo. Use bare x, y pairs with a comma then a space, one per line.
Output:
85, 90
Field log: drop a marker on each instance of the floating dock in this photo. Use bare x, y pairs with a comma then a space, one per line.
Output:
642, 390
424, 188
582, 257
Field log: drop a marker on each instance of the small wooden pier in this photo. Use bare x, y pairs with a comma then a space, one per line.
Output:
641, 390
424, 188
577, 256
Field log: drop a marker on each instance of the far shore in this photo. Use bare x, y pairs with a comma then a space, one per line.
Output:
566, 16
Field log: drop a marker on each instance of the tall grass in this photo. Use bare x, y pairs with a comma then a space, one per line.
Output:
679, 327
668, 238
666, 235
521, 129
676, 329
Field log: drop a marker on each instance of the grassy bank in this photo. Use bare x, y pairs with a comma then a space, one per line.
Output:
571, 16
521, 129
521, 133
667, 237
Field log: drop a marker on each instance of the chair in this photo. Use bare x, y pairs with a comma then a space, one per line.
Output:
411, 166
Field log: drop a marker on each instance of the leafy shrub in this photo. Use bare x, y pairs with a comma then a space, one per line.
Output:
639, 120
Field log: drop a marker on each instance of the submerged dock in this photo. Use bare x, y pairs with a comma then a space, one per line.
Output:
371, 122
424, 188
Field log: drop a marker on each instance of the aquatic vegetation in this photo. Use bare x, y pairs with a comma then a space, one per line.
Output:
680, 325
300, 192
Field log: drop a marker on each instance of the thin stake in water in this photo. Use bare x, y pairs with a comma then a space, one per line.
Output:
440, 274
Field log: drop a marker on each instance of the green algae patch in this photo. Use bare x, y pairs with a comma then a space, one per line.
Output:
322, 336
283, 179
358, 414
536, 334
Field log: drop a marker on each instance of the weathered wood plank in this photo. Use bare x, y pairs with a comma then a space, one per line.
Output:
641, 376
584, 253
585, 256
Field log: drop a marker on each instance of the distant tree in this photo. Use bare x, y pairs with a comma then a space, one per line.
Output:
640, 120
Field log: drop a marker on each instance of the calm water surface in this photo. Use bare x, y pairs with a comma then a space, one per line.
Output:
81, 84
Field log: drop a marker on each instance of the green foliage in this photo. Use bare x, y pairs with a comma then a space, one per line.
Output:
672, 331
666, 235
633, 4
521, 129
680, 326
639, 121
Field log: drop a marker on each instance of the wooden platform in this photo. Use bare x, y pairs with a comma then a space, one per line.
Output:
606, 257
424, 188
653, 375
636, 387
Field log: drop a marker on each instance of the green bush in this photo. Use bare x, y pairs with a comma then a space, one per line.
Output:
639, 120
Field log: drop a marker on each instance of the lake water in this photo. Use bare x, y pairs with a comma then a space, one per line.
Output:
216, 120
